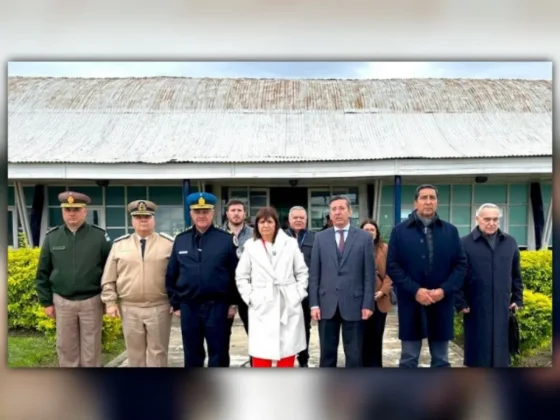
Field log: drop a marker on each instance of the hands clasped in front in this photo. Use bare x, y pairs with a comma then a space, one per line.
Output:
316, 314
428, 297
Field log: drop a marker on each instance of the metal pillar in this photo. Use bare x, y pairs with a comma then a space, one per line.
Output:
22, 213
186, 209
397, 200
547, 227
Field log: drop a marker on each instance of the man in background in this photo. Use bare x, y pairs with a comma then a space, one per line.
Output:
236, 215
297, 219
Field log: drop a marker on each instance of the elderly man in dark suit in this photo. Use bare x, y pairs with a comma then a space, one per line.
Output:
341, 285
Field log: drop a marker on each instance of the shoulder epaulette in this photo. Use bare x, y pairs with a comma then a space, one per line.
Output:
166, 236
120, 238
221, 229
52, 229
99, 227
185, 231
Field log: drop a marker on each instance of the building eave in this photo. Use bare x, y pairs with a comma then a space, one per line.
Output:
208, 171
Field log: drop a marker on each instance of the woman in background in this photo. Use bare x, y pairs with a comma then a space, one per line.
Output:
272, 279
374, 327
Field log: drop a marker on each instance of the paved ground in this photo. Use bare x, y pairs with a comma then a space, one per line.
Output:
239, 358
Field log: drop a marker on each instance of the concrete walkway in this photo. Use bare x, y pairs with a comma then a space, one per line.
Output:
239, 357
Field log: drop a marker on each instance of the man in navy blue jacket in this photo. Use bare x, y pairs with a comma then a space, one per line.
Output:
427, 264
200, 283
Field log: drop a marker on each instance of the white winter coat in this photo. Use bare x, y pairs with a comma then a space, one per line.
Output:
274, 292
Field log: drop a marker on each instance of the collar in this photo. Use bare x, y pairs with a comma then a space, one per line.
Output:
477, 234
82, 226
197, 233
292, 232
227, 228
414, 219
139, 237
344, 229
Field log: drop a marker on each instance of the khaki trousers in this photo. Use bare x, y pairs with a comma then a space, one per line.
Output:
146, 333
78, 331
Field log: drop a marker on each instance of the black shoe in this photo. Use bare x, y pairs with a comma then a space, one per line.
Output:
303, 364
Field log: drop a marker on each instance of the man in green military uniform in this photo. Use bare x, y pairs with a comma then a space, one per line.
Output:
68, 282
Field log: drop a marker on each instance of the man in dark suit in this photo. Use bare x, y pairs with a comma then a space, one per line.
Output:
341, 285
297, 218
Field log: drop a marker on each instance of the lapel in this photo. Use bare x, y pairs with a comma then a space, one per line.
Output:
263, 259
352, 231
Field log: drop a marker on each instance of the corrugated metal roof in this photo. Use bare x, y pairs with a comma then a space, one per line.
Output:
157, 120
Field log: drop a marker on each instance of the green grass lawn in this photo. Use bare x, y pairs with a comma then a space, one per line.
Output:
28, 349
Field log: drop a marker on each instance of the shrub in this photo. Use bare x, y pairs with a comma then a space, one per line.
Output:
535, 322
24, 310
536, 271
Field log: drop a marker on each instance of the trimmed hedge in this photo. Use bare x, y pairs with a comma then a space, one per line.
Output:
535, 318
24, 310
536, 271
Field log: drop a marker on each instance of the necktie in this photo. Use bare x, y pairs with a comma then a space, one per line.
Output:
143, 246
341, 241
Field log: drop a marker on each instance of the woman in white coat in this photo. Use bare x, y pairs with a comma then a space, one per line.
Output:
272, 279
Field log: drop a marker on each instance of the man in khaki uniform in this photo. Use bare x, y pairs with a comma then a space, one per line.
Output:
134, 277
68, 282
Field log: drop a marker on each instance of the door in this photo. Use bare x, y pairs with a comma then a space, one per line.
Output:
284, 198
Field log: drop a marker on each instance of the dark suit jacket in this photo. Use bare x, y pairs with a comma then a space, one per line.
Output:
306, 246
348, 285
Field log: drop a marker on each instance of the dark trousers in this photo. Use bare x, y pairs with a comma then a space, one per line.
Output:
352, 338
372, 349
205, 321
243, 311
303, 356
439, 352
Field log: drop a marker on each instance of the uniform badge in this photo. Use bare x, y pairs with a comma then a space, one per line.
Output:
238, 251
235, 241
70, 199
107, 238
201, 201
142, 206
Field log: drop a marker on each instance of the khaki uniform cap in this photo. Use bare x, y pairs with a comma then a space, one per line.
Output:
73, 199
142, 208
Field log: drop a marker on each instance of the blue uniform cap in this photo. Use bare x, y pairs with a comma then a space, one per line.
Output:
201, 200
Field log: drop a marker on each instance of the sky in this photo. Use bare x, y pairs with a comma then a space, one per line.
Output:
287, 70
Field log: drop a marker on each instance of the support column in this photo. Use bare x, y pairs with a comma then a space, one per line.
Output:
22, 213
186, 209
371, 192
37, 213
397, 200
547, 226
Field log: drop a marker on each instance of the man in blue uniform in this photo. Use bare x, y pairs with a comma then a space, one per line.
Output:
200, 282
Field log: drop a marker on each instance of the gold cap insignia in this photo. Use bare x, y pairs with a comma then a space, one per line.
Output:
142, 206
70, 199
201, 201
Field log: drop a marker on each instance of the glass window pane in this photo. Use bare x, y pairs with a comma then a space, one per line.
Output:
166, 195
115, 216
95, 193
518, 215
115, 233
11, 196
496, 194
443, 212
52, 195
170, 220
407, 194
520, 234
387, 195
239, 193
443, 194
320, 198
10, 228
93, 217
464, 230
136, 193
258, 199
28, 193
386, 216
114, 196
55, 217
518, 194
461, 215
461, 194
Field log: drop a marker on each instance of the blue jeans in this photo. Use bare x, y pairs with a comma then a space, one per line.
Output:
439, 352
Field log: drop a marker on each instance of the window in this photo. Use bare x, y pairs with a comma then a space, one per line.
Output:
318, 205
253, 198
461, 208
